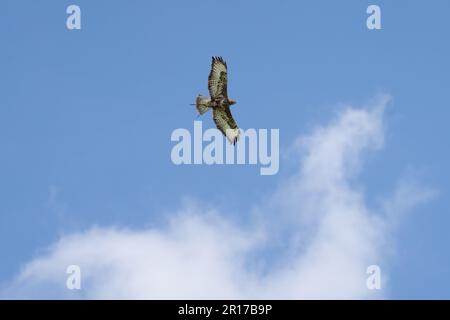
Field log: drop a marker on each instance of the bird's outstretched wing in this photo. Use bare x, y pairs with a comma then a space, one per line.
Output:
226, 124
217, 80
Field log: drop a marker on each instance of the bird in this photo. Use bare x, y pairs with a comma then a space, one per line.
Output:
219, 101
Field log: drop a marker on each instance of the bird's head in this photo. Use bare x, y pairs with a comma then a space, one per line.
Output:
231, 101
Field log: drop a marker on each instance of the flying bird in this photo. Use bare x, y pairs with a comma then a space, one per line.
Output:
219, 101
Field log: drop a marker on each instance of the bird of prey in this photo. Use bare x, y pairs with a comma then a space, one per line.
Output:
219, 101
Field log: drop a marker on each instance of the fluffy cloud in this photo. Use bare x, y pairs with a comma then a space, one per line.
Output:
314, 238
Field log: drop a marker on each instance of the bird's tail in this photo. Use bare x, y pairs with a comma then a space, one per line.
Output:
202, 104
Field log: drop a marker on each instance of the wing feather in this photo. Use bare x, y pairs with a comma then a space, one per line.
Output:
226, 124
218, 78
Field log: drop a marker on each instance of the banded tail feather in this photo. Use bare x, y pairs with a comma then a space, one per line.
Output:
202, 104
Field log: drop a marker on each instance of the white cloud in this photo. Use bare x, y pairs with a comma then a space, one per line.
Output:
314, 238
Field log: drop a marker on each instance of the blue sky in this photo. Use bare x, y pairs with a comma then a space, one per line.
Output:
86, 115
